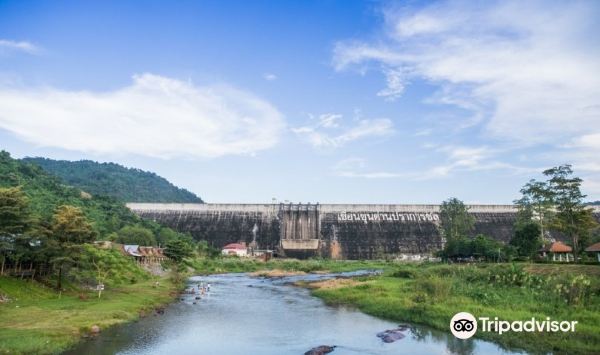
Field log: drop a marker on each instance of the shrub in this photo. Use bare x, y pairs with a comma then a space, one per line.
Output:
575, 291
404, 274
434, 287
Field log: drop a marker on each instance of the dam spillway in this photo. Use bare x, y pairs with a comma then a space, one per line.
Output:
341, 231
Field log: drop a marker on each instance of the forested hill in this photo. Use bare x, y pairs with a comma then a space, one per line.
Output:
110, 179
46, 192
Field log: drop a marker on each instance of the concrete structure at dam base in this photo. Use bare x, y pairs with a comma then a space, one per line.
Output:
340, 231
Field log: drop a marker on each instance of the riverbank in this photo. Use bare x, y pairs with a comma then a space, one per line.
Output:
431, 294
280, 267
38, 320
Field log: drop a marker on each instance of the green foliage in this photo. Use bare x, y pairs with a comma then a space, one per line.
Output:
14, 211
136, 234
455, 219
46, 192
178, 249
70, 229
527, 239
206, 251
536, 203
114, 180
70, 226
432, 288
572, 218
107, 266
481, 248
576, 291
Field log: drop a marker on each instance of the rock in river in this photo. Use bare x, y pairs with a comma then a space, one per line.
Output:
391, 335
320, 350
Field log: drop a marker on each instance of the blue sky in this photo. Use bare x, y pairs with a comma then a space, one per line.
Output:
309, 101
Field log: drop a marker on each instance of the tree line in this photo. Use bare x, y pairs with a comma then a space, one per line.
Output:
555, 204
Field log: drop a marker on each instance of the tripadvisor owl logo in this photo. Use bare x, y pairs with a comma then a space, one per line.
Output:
463, 325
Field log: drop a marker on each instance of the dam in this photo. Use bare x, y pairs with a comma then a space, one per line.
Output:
338, 231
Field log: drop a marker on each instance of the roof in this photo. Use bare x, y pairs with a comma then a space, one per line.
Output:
557, 247
593, 247
133, 250
235, 246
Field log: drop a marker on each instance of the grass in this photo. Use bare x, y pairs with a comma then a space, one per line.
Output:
39, 320
432, 294
233, 264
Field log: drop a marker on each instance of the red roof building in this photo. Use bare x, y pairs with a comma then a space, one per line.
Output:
238, 249
558, 250
594, 248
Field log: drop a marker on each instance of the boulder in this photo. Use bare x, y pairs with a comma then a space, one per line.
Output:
94, 329
321, 350
391, 335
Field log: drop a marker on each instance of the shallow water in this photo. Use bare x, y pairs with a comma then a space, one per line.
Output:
246, 315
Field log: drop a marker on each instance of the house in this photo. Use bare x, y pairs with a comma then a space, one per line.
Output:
238, 249
558, 251
152, 255
144, 255
594, 249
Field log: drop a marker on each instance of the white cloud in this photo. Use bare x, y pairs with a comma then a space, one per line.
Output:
330, 120
396, 81
270, 76
356, 168
465, 158
154, 116
329, 133
22, 46
528, 71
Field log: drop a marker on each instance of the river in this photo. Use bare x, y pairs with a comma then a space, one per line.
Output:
249, 315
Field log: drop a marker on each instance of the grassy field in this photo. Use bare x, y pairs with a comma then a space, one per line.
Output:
432, 293
39, 321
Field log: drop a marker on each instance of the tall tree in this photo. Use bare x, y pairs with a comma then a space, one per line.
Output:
14, 220
70, 229
527, 238
536, 203
136, 235
178, 249
455, 218
571, 217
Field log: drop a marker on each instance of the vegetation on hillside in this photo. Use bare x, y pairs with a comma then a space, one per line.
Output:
117, 181
46, 223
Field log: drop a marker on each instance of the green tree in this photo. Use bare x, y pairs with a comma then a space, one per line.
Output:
178, 249
536, 203
455, 219
527, 239
14, 220
70, 229
165, 235
136, 235
571, 216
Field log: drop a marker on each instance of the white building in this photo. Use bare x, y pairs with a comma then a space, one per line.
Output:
235, 249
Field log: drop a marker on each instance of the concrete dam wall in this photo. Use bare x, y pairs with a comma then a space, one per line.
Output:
344, 231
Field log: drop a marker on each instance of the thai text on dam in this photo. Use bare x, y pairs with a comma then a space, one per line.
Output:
388, 217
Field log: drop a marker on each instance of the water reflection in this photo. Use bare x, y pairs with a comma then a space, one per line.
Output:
245, 315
